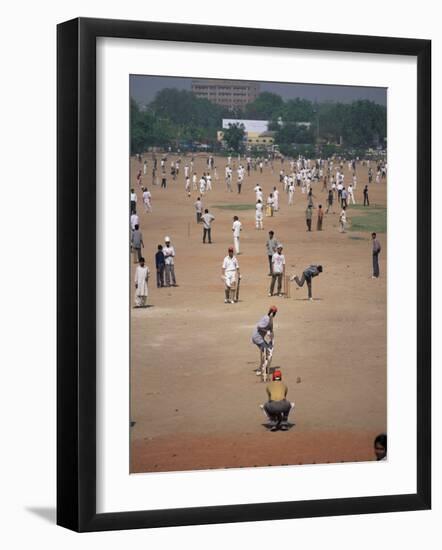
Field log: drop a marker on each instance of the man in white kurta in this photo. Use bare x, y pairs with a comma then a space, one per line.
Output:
141, 278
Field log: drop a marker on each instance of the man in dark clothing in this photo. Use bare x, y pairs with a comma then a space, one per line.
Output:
376, 251
329, 201
308, 217
307, 275
366, 201
160, 265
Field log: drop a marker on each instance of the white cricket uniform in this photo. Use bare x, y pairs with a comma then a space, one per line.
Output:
147, 200
276, 199
236, 227
259, 215
230, 266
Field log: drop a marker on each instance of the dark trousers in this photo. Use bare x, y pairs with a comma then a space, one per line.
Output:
300, 282
366, 201
276, 408
276, 277
376, 264
343, 202
163, 182
133, 207
207, 232
270, 264
160, 275
198, 217
309, 224
239, 188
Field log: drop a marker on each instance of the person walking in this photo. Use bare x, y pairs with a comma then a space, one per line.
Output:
207, 220
141, 279
160, 266
236, 229
271, 247
137, 243
169, 260
320, 218
376, 250
278, 270
308, 217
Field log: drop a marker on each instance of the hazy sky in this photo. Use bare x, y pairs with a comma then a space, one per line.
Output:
143, 89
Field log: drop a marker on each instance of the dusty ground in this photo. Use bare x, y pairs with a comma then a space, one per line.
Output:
195, 398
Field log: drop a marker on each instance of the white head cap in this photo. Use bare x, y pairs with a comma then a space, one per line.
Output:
167, 239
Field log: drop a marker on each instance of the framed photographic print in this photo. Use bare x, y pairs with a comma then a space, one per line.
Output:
243, 274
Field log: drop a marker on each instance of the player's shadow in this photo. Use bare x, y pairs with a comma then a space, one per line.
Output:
269, 425
143, 307
307, 300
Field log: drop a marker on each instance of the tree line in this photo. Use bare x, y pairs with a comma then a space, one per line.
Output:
177, 117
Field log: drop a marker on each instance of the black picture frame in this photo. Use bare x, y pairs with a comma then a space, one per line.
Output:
76, 274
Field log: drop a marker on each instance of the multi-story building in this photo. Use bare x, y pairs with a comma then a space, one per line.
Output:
232, 94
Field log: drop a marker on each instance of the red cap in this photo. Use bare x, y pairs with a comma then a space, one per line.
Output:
273, 308
277, 375
230, 248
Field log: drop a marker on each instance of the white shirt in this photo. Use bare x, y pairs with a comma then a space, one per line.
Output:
134, 220
133, 197
259, 208
146, 196
236, 228
169, 254
278, 262
230, 264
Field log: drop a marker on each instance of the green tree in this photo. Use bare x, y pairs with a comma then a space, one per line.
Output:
234, 136
267, 106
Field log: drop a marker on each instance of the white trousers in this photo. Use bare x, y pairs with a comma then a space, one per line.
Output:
236, 244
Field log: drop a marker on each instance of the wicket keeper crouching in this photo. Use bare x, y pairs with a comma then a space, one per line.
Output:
277, 407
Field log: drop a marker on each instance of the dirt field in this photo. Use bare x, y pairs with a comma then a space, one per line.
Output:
195, 398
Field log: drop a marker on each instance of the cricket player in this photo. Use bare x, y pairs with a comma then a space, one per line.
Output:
141, 278
263, 335
277, 408
342, 220
307, 275
147, 200
236, 228
199, 209
259, 215
229, 270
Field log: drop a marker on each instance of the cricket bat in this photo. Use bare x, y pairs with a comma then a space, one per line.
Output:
237, 289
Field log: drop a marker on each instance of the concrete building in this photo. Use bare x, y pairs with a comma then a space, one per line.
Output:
232, 94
